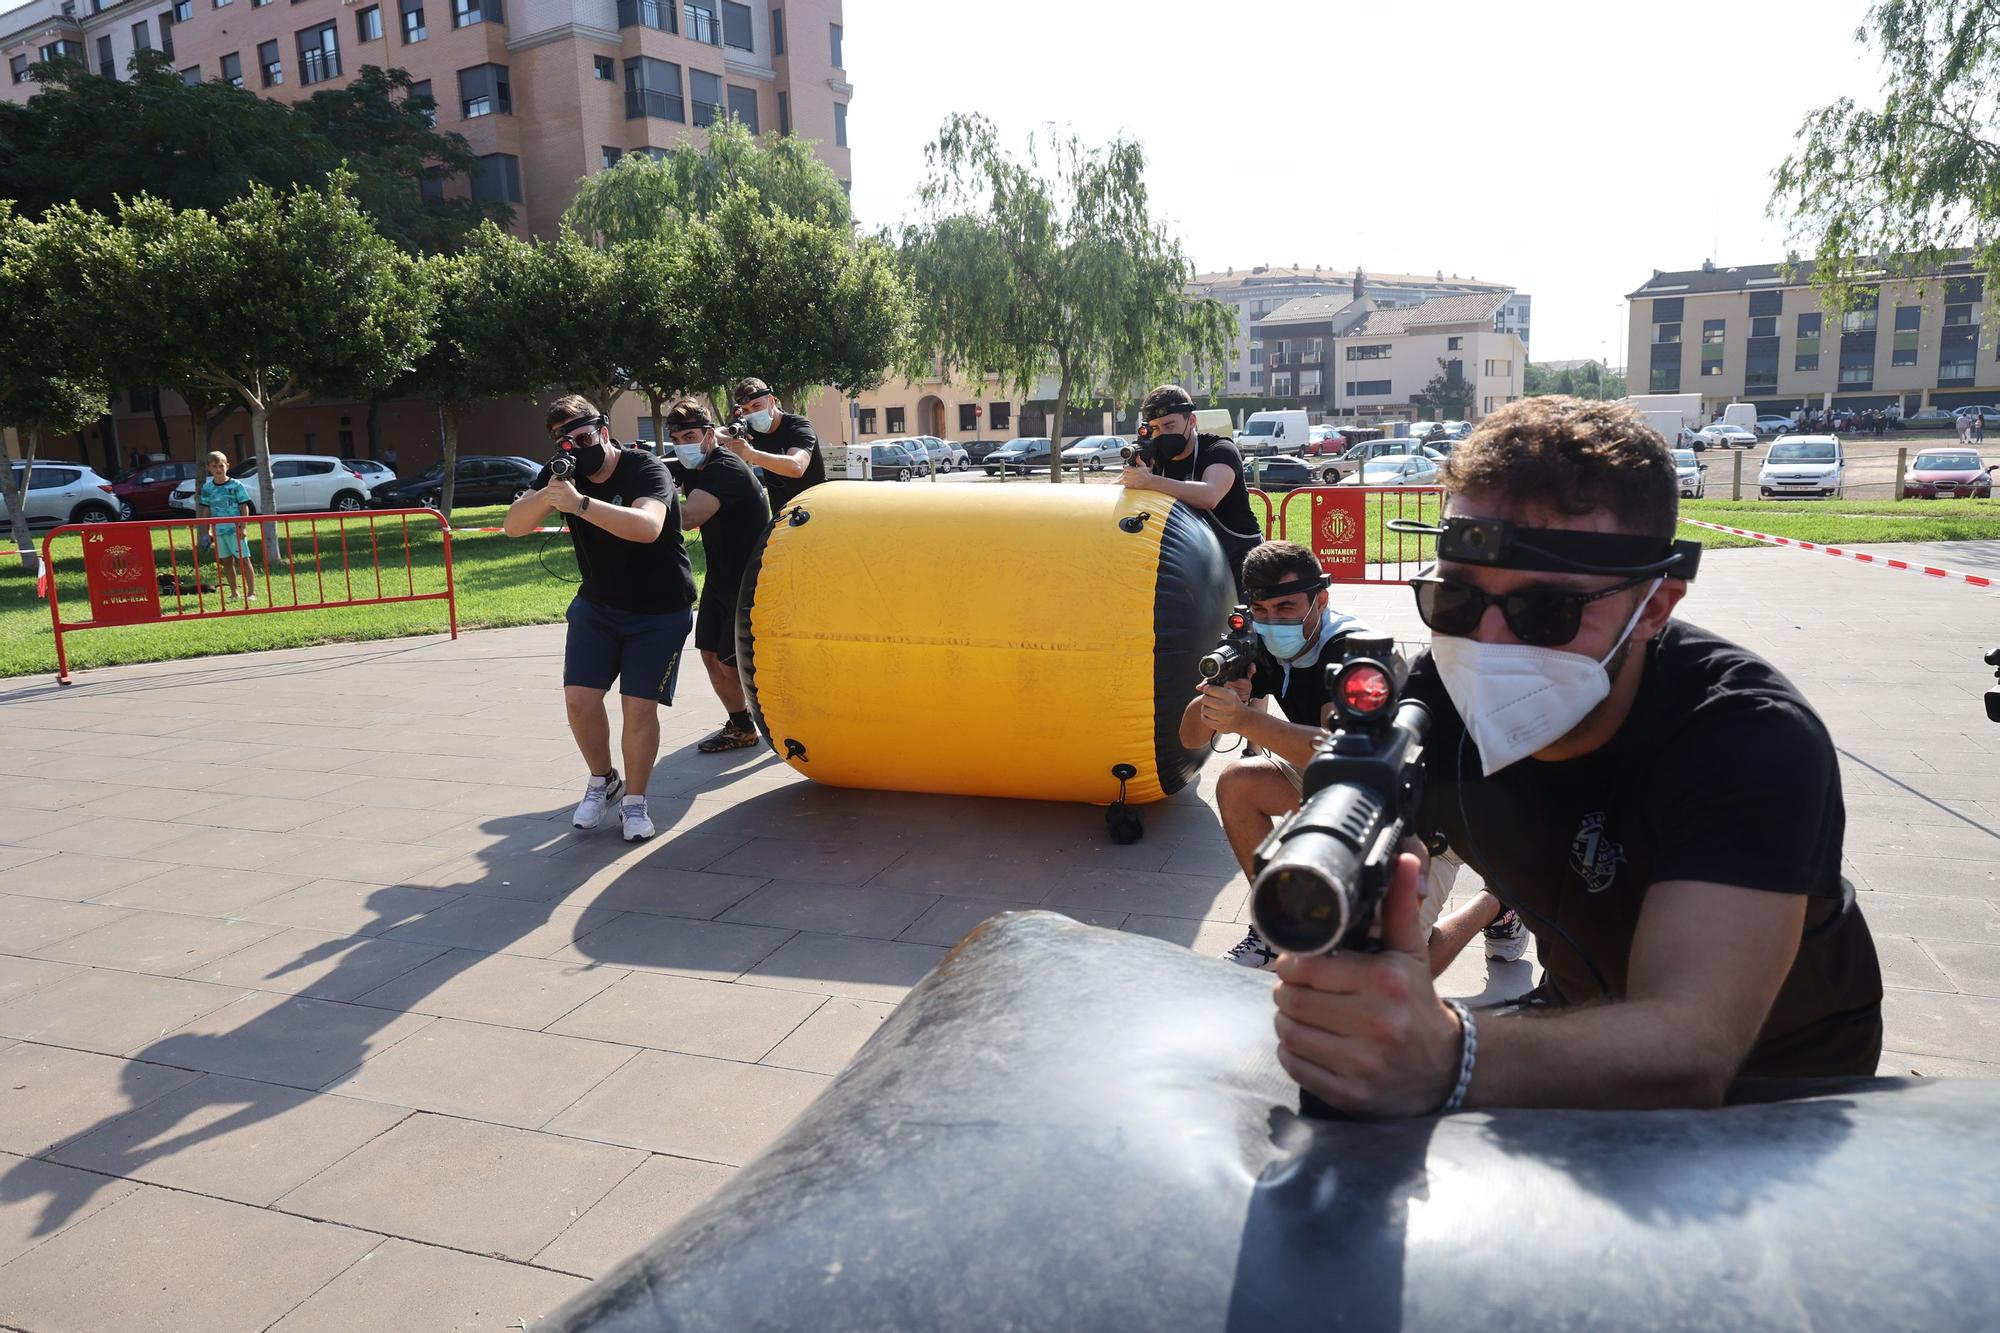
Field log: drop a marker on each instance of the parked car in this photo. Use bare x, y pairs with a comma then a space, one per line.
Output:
482, 480
1948, 474
372, 473
1775, 425
1023, 454
944, 455
300, 484
1691, 472
976, 450
60, 493
1361, 453
1324, 440
1395, 470
1725, 435
144, 491
1095, 452
889, 461
1926, 416
912, 447
1285, 472
1989, 416
1804, 465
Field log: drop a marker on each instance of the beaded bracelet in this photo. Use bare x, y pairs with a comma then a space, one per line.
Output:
1468, 1055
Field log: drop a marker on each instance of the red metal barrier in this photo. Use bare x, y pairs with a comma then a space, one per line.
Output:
121, 563
1347, 528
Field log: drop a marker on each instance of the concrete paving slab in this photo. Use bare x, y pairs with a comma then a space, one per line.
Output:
49, 1095
22, 976
950, 920
716, 950
74, 876
485, 1188
859, 969
503, 925
826, 1041
689, 1106
285, 1039
109, 1012
201, 891
1972, 968
162, 943
830, 909
345, 908
661, 1192
503, 1075
494, 988
315, 963
39, 1198
28, 924
400, 1284
669, 1013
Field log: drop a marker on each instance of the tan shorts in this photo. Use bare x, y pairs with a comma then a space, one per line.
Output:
1437, 888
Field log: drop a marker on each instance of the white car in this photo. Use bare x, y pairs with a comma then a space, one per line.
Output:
372, 473
946, 456
1394, 470
1725, 435
1776, 425
60, 493
1095, 452
1688, 470
300, 484
1803, 465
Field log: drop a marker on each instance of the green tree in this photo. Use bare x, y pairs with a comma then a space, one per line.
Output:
278, 299
1906, 185
1051, 264
647, 198
1449, 390
50, 382
93, 141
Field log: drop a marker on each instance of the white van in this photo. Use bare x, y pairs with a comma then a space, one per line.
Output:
1803, 465
1281, 432
1741, 414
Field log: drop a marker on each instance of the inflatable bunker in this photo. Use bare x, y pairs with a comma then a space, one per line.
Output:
1072, 1129
1016, 641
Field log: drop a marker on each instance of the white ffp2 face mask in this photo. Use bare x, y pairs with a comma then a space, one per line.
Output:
1517, 698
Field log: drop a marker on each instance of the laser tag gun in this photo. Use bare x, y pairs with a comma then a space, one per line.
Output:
1323, 871
1993, 696
1144, 450
1232, 657
564, 462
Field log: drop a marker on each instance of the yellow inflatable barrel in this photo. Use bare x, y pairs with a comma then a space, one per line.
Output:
1018, 641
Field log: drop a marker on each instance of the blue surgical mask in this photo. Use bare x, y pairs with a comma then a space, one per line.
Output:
761, 421
1282, 641
688, 455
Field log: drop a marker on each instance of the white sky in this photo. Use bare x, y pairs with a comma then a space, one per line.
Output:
1566, 147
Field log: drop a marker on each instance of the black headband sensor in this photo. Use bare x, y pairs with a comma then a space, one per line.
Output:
592, 419
1286, 589
1502, 545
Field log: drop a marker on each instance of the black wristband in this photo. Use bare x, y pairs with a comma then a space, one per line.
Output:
584, 508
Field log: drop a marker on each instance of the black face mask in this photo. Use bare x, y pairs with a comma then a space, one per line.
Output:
1165, 448
584, 460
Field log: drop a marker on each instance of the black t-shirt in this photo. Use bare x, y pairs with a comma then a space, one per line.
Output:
790, 431
1236, 527
646, 577
731, 532
1300, 685
1722, 773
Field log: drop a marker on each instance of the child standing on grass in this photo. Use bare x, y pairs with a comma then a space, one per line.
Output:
222, 496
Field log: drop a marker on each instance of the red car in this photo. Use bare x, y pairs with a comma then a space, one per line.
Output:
143, 492
1945, 474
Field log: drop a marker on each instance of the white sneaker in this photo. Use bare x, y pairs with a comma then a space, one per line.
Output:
1253, 952
1506, 938
638, 824
599, 794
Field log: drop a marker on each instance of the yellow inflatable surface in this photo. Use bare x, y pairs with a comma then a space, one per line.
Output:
982, 640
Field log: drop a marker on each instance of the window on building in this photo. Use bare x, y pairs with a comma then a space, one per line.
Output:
1284, 349
840, 124
1281, 384
743, 106
63, 50
1806, 352
1315, 350
839, 61
1256, 379
1367, 388
657, 14
653, 88
1764, 326
784, 113
1666, 333
777, 32
1903, 348
483, 90
704, 97
413, 21
430, 189
1235, 377
1366, 351
167, 33
604, 67
142, 36
866, 425
1454, 344
1958, 350
498, 176
465, 13
269, 61
1712, 333
319, 54
968, 416
736, 26
107, 63
1309, 384
1857, 367
232, 69
892, 418
1861, 319
701, 22
607, 156
183, 10
1665, 376
420, 93
1955, 315
368, 24
191, 75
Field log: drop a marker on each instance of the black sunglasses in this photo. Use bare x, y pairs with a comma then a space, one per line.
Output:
1544, 616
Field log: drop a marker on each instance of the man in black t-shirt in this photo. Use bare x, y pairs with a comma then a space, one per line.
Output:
1661, 806
630, 615
724, 500
1204, 471
781, 445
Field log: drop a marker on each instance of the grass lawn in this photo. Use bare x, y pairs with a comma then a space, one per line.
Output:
1846, 522
500, 582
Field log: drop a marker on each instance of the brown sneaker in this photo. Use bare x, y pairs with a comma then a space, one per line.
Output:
731, 737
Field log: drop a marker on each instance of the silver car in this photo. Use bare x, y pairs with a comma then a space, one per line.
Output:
1691, 474
1095, 452
60, 493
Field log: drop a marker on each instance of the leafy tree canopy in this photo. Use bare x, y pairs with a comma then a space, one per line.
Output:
644, 197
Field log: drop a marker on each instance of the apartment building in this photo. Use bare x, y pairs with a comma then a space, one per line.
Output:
1758, 333
1344, 356
1255, 292
545, 91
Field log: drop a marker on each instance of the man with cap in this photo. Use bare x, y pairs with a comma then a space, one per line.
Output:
780, 444
1202, 471
1662, 807
723, 499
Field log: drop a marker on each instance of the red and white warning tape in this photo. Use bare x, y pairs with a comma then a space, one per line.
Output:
1930, 571
456, 531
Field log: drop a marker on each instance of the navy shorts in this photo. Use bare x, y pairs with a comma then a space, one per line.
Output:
640, 650
715, 621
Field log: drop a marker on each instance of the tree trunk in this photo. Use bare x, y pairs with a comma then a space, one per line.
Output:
449, 412
17, 495
375, 430
114, 454
160, 424
208, 425
653, 398
1056, 433
260, 443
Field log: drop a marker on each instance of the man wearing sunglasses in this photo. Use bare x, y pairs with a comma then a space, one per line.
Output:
723, 499
1662, 807
630, 614
1202, 471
